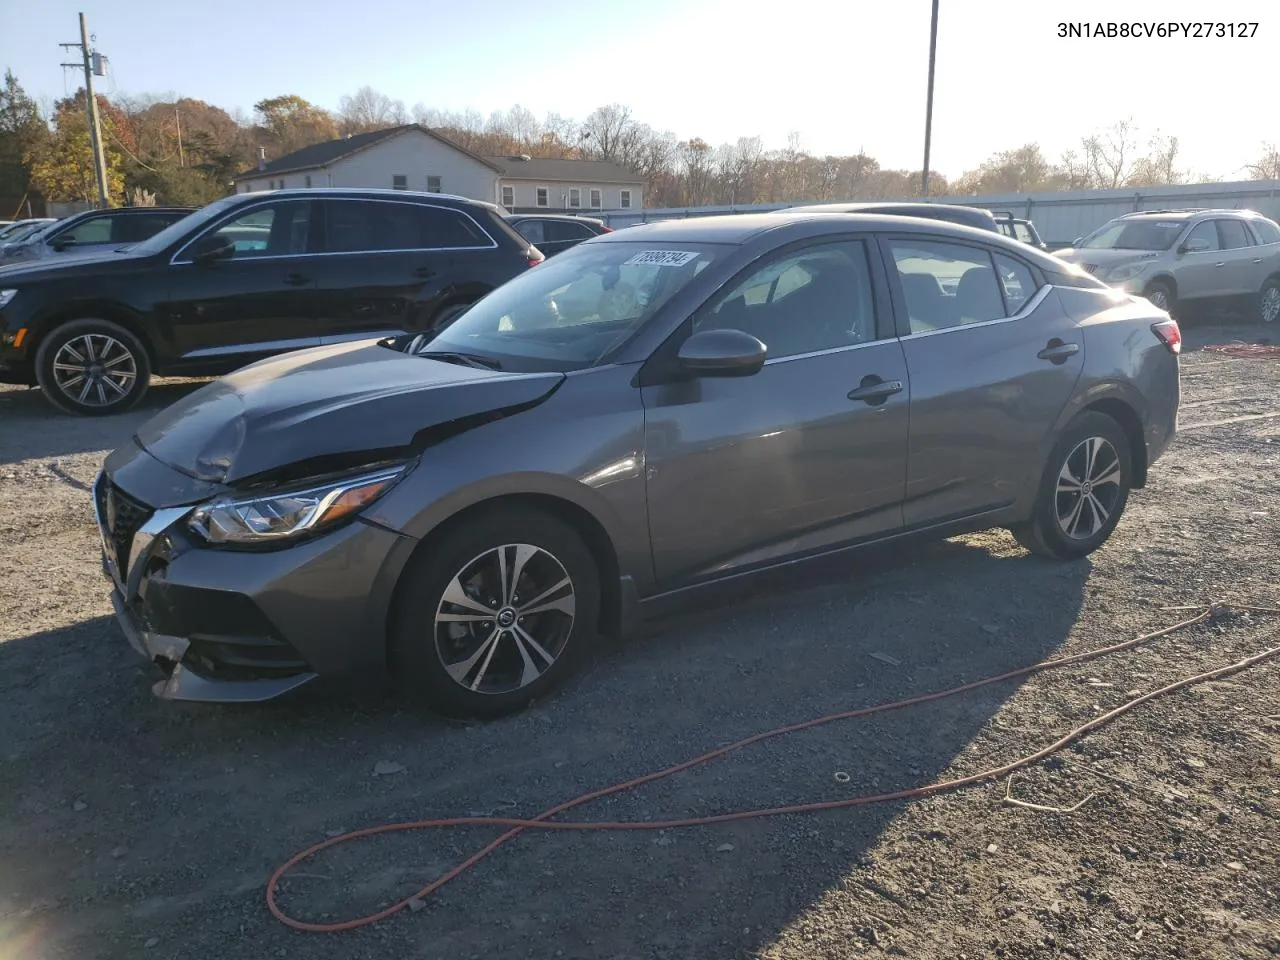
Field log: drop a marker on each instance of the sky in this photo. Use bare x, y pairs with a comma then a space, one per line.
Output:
845, 75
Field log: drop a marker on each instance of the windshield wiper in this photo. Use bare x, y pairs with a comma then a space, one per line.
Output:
465, 359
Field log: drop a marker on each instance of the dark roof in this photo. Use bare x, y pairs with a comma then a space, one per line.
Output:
571, 171
323, 154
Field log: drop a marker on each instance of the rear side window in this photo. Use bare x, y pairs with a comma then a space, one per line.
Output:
532, 230
367, 226
1265, 230
948, 285
1234, 235
564, 230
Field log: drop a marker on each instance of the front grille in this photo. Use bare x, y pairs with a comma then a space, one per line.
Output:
243, 658
1091, 267
121, 517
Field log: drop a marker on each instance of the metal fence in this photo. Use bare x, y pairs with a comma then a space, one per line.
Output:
1059, 217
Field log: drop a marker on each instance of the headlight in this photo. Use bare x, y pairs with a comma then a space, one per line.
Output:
289, 513
6, 296
1126, 272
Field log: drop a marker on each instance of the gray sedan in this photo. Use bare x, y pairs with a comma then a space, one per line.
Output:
652, 411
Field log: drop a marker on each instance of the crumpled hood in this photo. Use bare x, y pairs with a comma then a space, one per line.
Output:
325, 402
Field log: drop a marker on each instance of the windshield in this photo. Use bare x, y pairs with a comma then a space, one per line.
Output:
23, 232
176, 231
573, 311
1134, 235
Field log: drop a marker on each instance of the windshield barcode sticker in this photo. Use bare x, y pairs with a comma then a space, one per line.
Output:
661, 258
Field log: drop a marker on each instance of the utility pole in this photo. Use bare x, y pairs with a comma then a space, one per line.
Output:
95, 128
928, 116
177, 117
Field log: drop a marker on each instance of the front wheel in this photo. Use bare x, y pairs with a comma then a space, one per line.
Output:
1269, 301
1083, 492
491, 615
92, 367
1160, 295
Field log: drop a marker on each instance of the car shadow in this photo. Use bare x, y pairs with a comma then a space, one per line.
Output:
33, 428
207, 800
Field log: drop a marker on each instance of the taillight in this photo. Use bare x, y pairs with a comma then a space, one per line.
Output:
535, 256
604, 229
1169, 333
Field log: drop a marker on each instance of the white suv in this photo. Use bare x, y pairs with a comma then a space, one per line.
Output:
1182, 257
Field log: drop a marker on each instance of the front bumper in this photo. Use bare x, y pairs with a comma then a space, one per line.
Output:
241, 627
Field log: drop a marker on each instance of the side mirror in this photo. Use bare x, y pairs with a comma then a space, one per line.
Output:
62, 243
722, 353
211, 249
1194, 246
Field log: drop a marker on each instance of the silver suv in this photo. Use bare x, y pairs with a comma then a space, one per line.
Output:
1183, 257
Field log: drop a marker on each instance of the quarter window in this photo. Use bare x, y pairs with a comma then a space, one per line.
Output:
949, 285
1267, 232
275, 230
814, 299
1016, 282
356, 226
1233, 235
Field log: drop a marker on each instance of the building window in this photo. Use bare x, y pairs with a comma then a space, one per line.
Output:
626, 200
540, 196
433, 184
575, 197
399, 182
597, 201
508, 196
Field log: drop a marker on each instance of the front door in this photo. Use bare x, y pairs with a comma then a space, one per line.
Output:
390, 266
263, 299
807, 454
1201, 271
993, 360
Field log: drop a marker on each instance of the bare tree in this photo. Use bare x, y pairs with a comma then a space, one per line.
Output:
1267, 166
367, 109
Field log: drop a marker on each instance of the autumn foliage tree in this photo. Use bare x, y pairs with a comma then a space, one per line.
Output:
62, 167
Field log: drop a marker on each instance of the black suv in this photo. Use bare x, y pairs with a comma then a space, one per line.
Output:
93, 230
554, 233
246, 277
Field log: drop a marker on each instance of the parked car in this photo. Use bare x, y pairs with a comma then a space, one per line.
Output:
93, 230
249, 276
17, 229
948, 212
555, 233
730, 394
1019, 228
1181, 258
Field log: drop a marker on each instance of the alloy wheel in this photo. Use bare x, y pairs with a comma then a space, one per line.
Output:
504, 619
1269, 303
1158, 298
1088, 488
95, 370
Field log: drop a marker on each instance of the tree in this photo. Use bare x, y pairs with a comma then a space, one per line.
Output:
367, 109
1110, 155
1267, 166
1160, 166
291, 123
23, 132
62, 168
1021, 170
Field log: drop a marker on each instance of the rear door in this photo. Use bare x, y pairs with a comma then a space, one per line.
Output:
390, 266
992, 359
261, 300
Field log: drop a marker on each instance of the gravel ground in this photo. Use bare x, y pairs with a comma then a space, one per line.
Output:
131, 827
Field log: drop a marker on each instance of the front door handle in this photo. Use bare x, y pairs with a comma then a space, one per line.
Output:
1257, 259
1223, 264
875, 391
1058, 352
296, 280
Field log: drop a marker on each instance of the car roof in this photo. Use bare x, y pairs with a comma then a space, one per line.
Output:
573, 217
374, 193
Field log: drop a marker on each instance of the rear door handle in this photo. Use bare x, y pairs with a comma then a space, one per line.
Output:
296, 280
1058, 352
873, 390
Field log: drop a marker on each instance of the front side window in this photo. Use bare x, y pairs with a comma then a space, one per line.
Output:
814, 299
1204, 236
625, 200
540, 196
1233, 235
576, 309
273, 230
136, 228
1134, 235
94, 230
948, 285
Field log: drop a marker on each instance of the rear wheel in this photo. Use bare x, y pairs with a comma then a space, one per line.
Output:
1269, 301
1083, 492
492, 614
92, 367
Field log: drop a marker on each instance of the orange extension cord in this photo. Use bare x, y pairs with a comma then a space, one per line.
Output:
541, 821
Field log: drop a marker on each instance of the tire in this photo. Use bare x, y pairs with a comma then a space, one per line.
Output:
487, 666
115, 370
1057, 528
446, 316
1161, 295
1268, 306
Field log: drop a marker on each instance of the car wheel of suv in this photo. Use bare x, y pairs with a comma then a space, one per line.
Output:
1269, 301
1160, 295
447, 316
1083, 492
491, 615
92, 367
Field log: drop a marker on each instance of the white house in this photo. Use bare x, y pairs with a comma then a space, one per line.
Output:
414, 157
